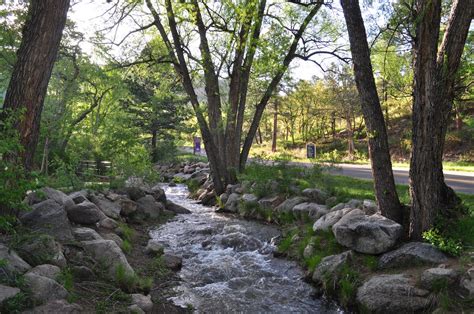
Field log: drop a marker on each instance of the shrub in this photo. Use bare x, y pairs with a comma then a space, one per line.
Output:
445, 244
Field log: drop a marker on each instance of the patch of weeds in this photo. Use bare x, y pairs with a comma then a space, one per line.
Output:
193, 185
349, 280
8, 224
126, 246
126, 232
370, 261
159, 268
313, 261
443, 243
285, 244
22, 300
131, 282
219, 202
285, 218
66, 279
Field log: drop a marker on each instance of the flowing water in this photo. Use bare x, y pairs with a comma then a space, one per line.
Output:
228, 264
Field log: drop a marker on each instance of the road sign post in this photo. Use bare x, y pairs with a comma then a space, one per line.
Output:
197, 145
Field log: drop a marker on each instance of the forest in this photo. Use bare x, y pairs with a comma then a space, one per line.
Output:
103, 101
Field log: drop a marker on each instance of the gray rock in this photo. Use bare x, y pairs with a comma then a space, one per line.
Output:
83, 273
109, 252
177, 209
13, 264
367, 234
370, 207
224, 197
468, 281
149, 207
114, 197
143, 302
7, 292
412, 254
312, 210
331, 201
50, 194
135, 309
86, 213
109, 208
44, 289
232, 188
134, 193
270, 202
250, 199
315, 195
108, 223
49, 217
232, 204
353, 203
330, 266
173, 262
287, 205
42, 249
154, 248
86, 234
392, 294
46, 270
56, 306
128, 207
325, 222
79, 196
338, 207
113, 237
436, 277
159, 194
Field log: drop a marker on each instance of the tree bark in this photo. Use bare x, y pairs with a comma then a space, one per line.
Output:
35, 59
384, 184
434, 78
275, 127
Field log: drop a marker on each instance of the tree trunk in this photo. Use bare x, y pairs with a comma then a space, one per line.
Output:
275, 127
44, 162
434, 78
154, 153
384, 184
350, 138
35, 59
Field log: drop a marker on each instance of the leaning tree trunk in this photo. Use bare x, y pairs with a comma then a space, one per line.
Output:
434, 79
275, 127
385, 191
32, 71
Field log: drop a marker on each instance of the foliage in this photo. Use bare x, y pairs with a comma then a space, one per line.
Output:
131, 282
445, 244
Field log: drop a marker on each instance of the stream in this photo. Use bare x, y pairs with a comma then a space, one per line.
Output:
228, 264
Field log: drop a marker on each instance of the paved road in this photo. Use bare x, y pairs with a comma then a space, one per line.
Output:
462, 182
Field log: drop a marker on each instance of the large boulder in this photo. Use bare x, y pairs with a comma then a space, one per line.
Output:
108, 223
133, 192
154, 248
142, 301
177, 209
109, 208
435, 278
49, 217
13, 264
270, 202
128, 207
311, 210
326, 222
173, 262
367, 234
7, 292
149, 207
109, 252
86, 234
85, 213
287, 205
56, 306
41, 249
46, 270
249, 200
49, 194
232, 204
412, 254
315, 195
79, 196
159, 194
392, 294
44, 289
330, 267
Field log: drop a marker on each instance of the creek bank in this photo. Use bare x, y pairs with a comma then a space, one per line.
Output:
87, 252
351, 252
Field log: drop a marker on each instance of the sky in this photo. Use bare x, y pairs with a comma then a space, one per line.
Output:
88, 15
